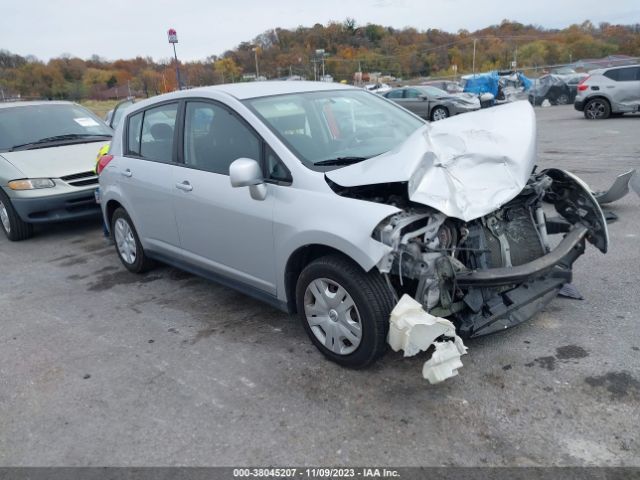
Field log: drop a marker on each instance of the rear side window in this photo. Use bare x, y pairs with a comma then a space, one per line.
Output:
151, 133
612, 74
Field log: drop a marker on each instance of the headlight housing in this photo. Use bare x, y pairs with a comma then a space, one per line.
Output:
31, 183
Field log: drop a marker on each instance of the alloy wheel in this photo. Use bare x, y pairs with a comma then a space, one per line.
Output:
595, 109
333, 316
125, 241
439, 114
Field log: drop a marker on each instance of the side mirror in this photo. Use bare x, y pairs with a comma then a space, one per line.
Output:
245, 172
424, 98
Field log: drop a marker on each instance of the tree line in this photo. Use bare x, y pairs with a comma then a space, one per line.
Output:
343, 47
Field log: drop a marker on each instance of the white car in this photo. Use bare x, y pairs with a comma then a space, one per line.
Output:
47, 161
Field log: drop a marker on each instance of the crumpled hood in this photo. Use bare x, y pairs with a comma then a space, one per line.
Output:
55, 162
466, 166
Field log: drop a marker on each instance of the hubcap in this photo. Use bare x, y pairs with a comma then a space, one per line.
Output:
4, 218
125, 242
595, 109
333, 316
439, 114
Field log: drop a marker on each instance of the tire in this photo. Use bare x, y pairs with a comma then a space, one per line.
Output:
128, 246
11, 223
332, 325
562, 99
597, 109
439, 113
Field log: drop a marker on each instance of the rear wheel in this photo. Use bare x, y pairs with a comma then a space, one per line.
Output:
563, 99
597, 109
128, 244
11, 223
439, 113
344, 310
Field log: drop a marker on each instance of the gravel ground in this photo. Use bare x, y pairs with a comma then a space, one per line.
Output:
102, 367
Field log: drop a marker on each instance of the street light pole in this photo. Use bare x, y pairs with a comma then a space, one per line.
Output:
255, 51
173, 39
474, 57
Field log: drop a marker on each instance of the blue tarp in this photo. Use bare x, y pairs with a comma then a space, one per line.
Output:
526, 82
482, 83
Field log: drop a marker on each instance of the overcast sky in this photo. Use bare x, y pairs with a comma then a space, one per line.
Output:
127, 28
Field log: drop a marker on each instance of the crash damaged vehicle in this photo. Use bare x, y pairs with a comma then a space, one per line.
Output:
375, 227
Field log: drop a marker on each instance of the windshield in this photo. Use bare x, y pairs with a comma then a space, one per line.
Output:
31, 123
435, 91
335, 127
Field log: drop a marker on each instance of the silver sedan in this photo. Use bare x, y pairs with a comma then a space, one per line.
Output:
431, 103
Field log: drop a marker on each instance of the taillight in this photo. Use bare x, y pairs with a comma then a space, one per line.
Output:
581, 86
103, 162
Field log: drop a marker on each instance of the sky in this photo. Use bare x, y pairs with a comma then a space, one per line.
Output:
128, 28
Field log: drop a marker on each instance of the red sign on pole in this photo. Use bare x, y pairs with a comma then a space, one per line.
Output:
172, 35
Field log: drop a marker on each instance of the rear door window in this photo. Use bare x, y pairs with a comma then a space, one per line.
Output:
151, 133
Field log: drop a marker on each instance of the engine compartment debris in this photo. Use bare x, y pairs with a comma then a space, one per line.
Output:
413, 330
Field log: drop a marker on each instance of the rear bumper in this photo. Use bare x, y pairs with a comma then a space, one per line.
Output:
57, 208
534, 285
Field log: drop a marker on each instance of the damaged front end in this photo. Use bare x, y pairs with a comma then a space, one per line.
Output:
496, 271
479, 238
486, 274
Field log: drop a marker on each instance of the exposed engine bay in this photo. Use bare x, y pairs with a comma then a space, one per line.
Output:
492, 272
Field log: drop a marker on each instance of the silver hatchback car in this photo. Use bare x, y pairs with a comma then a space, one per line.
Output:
334, 203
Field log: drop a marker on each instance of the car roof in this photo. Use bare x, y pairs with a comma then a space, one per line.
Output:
34, 103
245, 90
617, 67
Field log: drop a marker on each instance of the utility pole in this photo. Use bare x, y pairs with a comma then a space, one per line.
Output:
255, 52
474, 57
173, 39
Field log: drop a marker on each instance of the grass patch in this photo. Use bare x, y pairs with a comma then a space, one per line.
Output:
99, 107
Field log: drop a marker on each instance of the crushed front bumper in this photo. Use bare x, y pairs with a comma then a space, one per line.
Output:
494, 307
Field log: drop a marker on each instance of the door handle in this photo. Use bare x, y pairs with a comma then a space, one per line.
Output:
127, 173
184, 186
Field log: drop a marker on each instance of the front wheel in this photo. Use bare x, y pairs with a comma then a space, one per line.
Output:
128, 244
344, 310
11, 223
439, 113
597, 109
563, 99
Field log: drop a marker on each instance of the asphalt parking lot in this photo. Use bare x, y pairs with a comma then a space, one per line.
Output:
102, 367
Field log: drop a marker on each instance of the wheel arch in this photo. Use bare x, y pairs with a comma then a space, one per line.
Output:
110, 208
298, 260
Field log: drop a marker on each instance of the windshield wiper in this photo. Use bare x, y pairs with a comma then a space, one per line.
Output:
341, 161
58, 138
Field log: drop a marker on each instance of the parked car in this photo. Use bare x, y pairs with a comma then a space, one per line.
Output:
47, 159
330, 201
431, 103
113, 116
377, 87
552, 88
609, 91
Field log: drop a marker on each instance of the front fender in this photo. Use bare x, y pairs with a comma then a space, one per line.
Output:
344, 224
